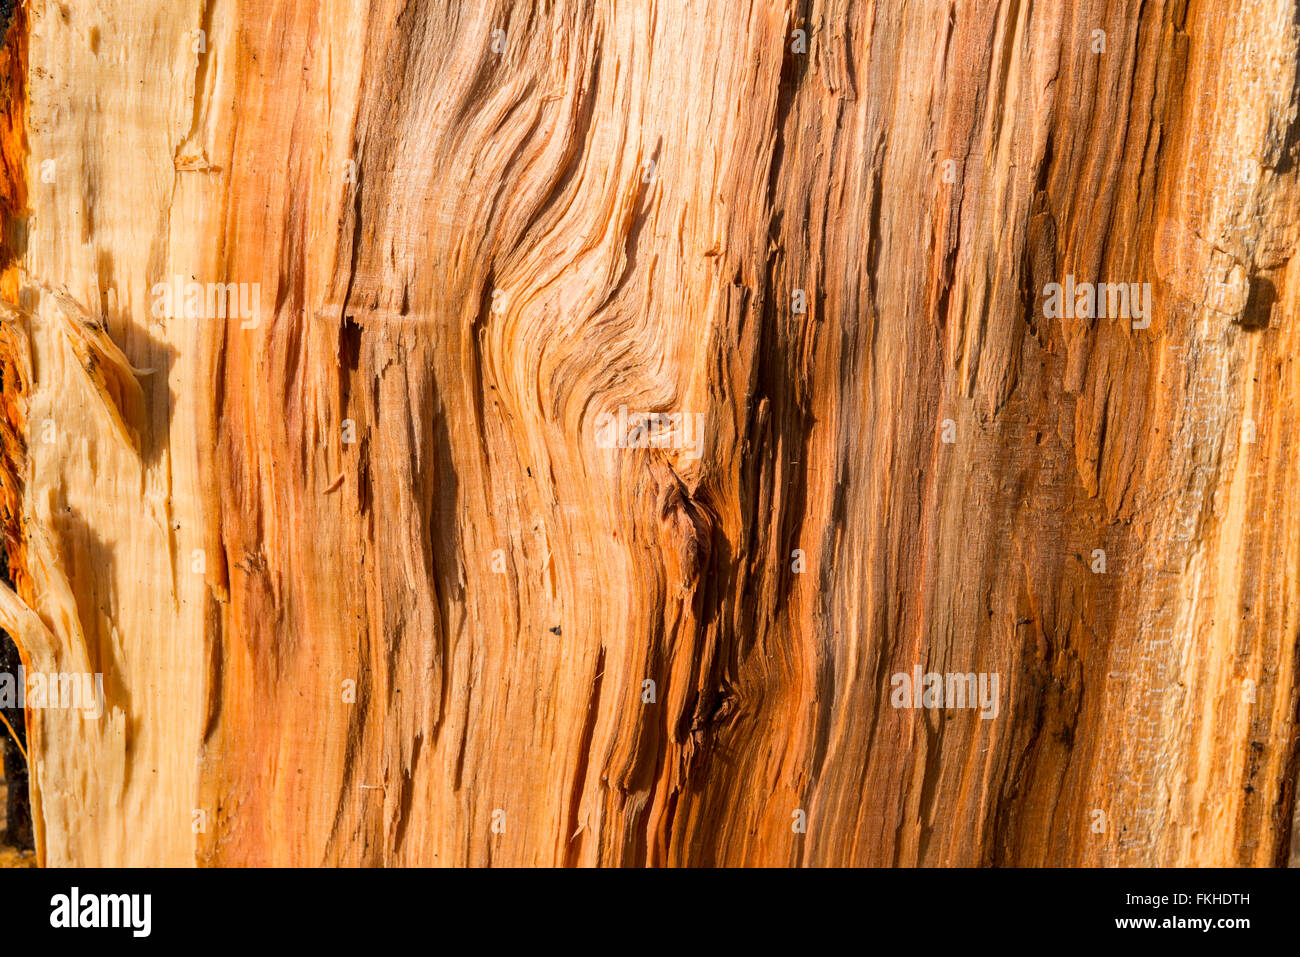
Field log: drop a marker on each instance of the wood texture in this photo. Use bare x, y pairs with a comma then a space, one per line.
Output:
477, 227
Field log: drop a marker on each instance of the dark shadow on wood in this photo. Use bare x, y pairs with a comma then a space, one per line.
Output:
18, 811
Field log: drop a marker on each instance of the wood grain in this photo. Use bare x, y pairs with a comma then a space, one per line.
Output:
365, 585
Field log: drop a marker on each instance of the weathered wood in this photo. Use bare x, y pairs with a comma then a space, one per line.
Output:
473, 231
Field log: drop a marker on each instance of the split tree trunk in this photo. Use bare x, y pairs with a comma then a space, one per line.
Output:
366, 588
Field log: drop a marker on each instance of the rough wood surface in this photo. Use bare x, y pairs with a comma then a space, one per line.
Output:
478, 228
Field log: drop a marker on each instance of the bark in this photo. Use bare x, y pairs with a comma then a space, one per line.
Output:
364, 582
